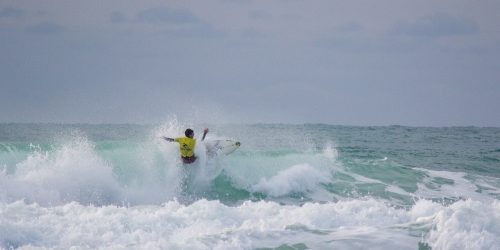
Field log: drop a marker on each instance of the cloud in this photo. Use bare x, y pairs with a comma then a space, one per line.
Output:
47, 28
117, 17
178, 23
259, 15
167, 15
437, 25
251, 33
198, 30
9, 12
236, 1
348, 37
351, 27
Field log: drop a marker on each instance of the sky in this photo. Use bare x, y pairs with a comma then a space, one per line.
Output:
362, 62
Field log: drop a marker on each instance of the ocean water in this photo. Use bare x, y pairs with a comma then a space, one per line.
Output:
309, 186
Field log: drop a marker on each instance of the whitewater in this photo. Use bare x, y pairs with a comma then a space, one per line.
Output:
303, 186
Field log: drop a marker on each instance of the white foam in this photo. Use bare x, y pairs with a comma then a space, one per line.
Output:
397, 190
461, 187
204, 224
467, 225
298, 178
212, 225
70, 173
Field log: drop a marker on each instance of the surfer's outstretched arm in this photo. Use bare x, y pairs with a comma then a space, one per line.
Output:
168, 139
204, 134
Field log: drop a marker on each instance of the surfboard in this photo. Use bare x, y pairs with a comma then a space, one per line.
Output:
221, 147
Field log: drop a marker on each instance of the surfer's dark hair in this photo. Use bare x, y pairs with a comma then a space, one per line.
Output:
189, 132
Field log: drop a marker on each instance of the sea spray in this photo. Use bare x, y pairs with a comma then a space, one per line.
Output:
72, 172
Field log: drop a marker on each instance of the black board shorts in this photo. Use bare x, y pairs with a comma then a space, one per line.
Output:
188, 159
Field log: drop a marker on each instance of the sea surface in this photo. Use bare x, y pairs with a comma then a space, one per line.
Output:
309, 186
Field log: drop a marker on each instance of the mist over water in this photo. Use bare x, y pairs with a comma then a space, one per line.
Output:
296, 186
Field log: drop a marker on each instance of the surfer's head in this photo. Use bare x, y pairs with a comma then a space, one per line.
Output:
189, 133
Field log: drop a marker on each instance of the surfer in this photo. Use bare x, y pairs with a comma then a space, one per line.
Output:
187, 145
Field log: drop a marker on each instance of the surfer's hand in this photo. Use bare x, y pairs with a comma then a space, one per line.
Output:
167, 139
205, 131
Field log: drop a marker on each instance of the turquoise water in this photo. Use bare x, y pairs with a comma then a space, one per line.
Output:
289, 186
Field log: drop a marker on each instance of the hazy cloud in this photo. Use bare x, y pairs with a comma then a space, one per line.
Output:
9, 12
117, 17
199, 30
251, 33
259, 15
347, 37
346, 44
236, 1
349, 27
437, 25
180, 23
166, 15
48, 28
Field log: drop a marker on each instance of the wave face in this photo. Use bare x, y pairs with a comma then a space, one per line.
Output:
290, 186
